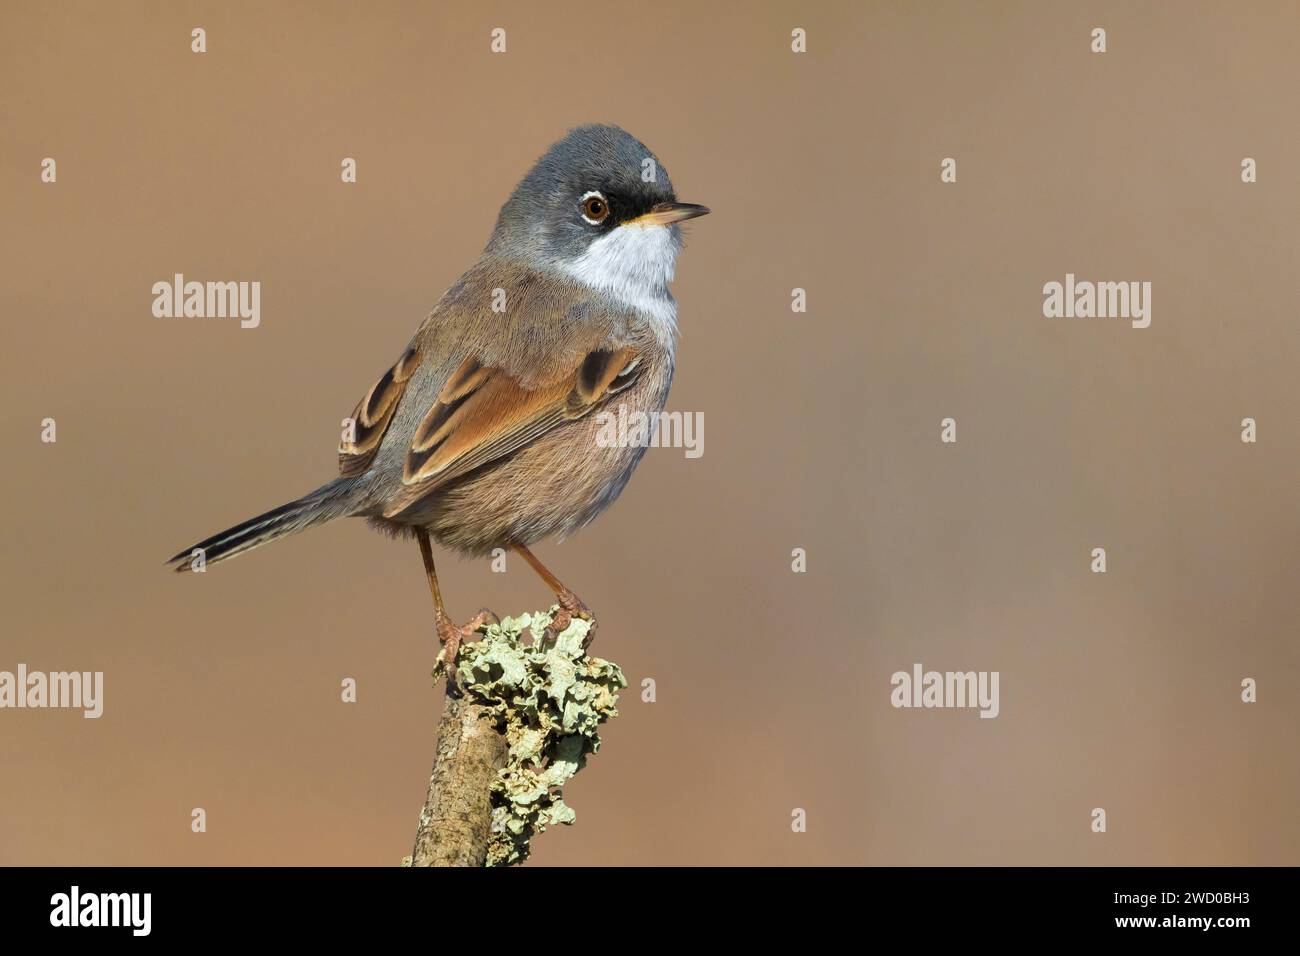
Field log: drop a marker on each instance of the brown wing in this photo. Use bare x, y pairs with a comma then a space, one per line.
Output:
483, 413
373, 415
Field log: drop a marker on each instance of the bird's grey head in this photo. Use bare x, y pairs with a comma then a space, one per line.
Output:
599, 207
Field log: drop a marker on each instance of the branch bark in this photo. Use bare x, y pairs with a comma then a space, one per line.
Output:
456, 822
533, 702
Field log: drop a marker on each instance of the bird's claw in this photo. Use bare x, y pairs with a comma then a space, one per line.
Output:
451, 636
572, 606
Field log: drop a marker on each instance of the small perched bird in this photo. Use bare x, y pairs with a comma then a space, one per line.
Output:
482, 433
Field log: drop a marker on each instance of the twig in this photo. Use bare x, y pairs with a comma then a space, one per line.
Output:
525, 724
456, 823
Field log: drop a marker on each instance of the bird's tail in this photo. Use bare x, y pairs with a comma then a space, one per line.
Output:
316, 507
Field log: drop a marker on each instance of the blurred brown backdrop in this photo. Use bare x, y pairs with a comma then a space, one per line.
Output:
822, 430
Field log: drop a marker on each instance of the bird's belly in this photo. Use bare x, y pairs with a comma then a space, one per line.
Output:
553, 486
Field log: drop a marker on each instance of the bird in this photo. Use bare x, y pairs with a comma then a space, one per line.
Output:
483, 433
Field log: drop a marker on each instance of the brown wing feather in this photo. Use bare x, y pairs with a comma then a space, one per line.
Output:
373, 414
483, 414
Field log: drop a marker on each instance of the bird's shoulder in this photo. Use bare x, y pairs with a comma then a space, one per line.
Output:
535, 324
539, 338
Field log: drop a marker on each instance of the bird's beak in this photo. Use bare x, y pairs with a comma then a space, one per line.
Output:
667, 213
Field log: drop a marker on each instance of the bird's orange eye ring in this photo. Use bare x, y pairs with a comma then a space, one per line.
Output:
595, 208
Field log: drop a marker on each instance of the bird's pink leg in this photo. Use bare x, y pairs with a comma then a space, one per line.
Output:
571, 605
450, 635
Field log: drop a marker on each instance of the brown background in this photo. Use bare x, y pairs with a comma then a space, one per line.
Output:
1118, 690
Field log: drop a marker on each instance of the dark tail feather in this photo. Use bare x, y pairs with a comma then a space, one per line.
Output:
324, 504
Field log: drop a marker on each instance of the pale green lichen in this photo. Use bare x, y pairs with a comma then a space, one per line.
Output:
550, 698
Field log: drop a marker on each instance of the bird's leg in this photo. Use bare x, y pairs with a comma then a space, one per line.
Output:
449, 635
571, 605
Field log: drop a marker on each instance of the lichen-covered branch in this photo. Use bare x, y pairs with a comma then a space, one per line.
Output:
525, 724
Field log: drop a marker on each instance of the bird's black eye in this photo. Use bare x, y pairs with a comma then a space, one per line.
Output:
595, 209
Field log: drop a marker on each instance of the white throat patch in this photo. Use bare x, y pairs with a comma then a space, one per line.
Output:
634, 265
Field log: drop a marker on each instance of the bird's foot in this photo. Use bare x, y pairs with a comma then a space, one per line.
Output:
450, 636
571, 606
